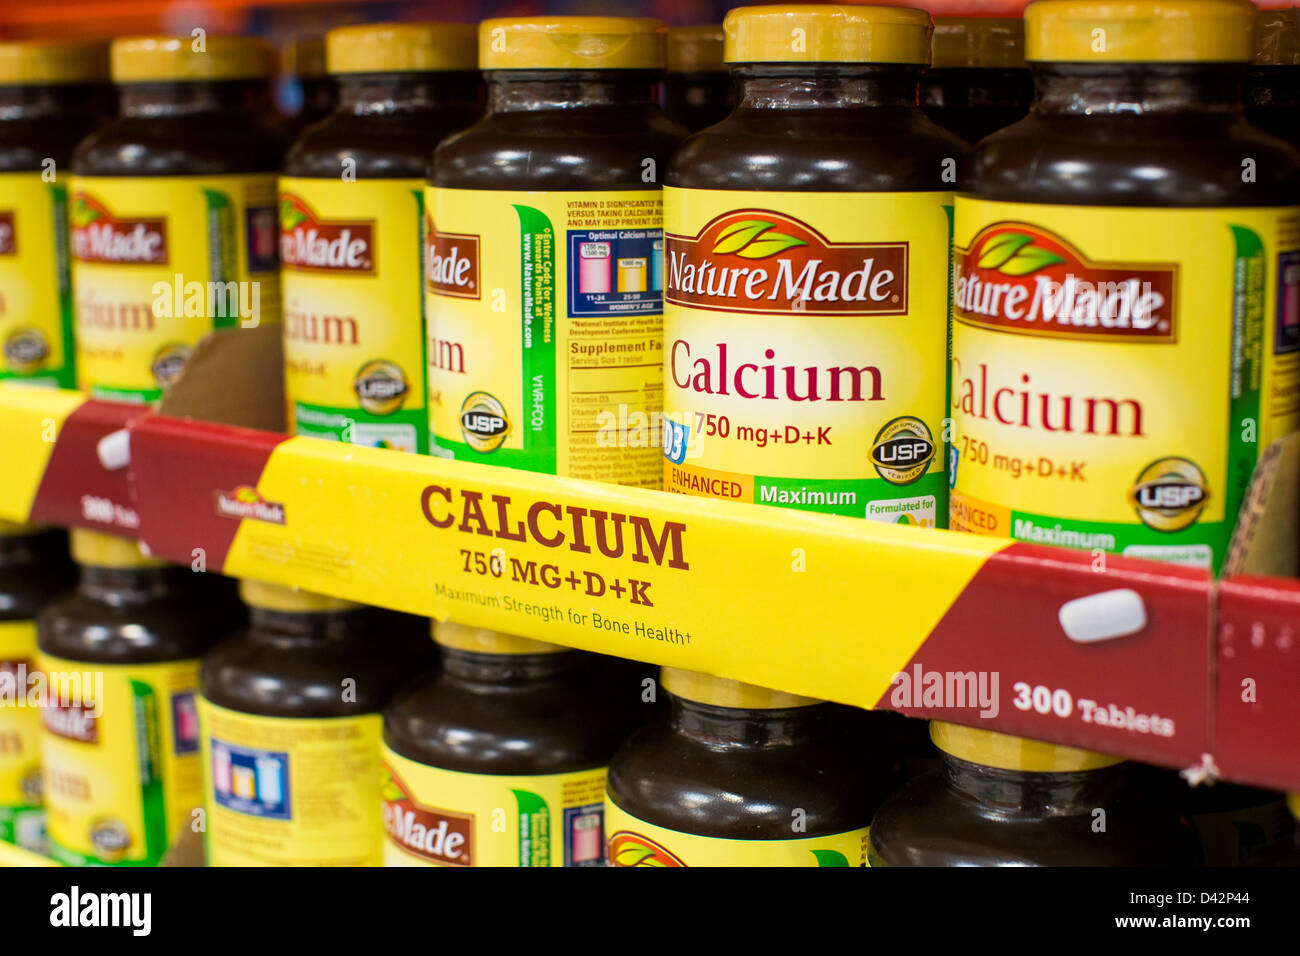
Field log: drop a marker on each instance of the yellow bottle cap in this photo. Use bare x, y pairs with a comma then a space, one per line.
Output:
817, 33
275, 597
164, 59
724, 692
99, 550
50, 62
305, 58
401, 48
571, 43
992, 749
1139, 31
1277, 37
696, 49
1293, 804
480, 640
982, 42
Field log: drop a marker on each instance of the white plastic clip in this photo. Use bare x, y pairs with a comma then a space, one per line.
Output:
1103, 616
114, 450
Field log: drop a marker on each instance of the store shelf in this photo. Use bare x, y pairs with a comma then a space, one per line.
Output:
819, 605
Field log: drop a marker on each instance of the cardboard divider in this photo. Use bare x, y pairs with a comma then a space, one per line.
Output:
1256, 703
819, 605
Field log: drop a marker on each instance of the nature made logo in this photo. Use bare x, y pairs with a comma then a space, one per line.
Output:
451, 262
1169, 494
1020, 278
757, 260
247, 502
633, 849
8, 234
311, 244
99, 236
71, 722
441, 836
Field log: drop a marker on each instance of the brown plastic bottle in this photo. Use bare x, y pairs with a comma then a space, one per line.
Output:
698, 91
500, 759
196, 126
1286, 852
34, 568
121, 656
977, 82
822, 390
51, 95
745, 776
357, 177
565, 168
1273, 80
291, 726
1234, 823
1007, 801
304, 61
1136, 187
1164, 130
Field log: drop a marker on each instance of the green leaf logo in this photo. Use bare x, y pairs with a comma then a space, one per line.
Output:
830, 857
1014, 254
389, 789
633, 849
753, 239
83, 214
290, 214
1029, 260
1001, 248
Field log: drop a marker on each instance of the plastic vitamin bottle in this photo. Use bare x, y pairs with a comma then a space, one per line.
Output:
290, 712
34, 567
1283, 853
744, 776
500, 759
977, 82
698, 91
174, 216
805, 322
1233, 823
544, 261
1110, 238
51, 95
1273, 81
1007, 801
304, 61
351, 204
121, 741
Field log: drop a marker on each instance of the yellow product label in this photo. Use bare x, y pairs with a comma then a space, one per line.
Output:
22, 821
121, 753
35, 296
284, 791
805, 343
633, 842
546, 330
435, 817
354, 361
1116, 373
158, 263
